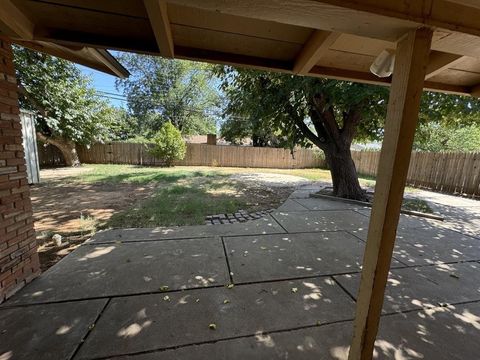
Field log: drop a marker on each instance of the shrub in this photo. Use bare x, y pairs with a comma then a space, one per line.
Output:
168, 144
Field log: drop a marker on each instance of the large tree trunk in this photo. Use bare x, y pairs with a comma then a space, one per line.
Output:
344, 174
335, 142
66, 147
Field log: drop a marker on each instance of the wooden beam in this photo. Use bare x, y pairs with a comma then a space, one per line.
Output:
315, 47
157, 13
217, 57
440, 61
369, 78
314, 14
109, 61
475, 91
13, 22
383, 19
402, 117
98, 59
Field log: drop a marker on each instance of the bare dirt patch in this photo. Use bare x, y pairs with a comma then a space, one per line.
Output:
69, 203
70, 208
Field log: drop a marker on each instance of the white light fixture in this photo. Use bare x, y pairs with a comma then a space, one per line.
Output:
383, 65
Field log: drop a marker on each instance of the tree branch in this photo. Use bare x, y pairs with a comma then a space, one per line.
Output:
327, 117
351, 119
309, 134
21, 89
318, 124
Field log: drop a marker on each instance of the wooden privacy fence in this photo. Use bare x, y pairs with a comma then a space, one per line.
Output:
447, 172
203, 155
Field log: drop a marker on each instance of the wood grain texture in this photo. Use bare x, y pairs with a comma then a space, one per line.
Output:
157, 13
402, 116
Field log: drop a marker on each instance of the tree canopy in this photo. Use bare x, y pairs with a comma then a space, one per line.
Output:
328, 114
162, 90
68, 109
273, 104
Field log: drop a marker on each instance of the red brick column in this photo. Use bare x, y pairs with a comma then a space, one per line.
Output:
18, 248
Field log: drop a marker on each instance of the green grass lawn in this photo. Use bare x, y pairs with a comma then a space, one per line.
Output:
185, 195
146, 174
185, 201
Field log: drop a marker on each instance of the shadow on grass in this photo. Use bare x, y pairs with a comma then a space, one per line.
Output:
179, 205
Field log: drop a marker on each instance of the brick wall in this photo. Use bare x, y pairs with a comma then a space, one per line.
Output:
18, 249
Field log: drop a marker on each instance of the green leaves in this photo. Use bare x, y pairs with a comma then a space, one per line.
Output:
55, 89
168, 144
161, 90
272, 104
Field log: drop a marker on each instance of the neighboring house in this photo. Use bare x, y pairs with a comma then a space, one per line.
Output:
201, 139
196, 139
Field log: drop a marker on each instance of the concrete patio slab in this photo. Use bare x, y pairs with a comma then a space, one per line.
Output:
423, 246
148, 322
328, 220
283, 256
439, 333
325, 342
468, 225
324, 204
270, 313
409, 221
427, 286
128, 268
46, 332
291, 205
265, 225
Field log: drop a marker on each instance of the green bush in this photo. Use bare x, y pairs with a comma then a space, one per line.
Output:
168, 144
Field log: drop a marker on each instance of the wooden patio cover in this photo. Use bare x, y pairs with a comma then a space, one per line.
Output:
436, 44
329, 38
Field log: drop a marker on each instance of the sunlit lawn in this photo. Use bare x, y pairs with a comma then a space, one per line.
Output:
145, 174
186, 195
181, 195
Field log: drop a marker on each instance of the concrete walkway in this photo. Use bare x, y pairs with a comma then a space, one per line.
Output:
145, 294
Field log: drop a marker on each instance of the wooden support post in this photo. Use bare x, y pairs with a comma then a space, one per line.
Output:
402, 116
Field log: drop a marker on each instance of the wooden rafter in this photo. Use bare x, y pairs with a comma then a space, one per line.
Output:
402, 117
98, 59
368, 78
218, 57
475, 91
393, 16
315, 47
158, 16
440, 61
13, 22
110, 62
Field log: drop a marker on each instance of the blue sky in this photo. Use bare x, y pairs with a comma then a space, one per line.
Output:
105, 84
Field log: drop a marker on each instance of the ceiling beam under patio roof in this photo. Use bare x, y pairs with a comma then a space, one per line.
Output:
440, 61
385, 19
158, 16
315, 47
475, 91
13, 22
